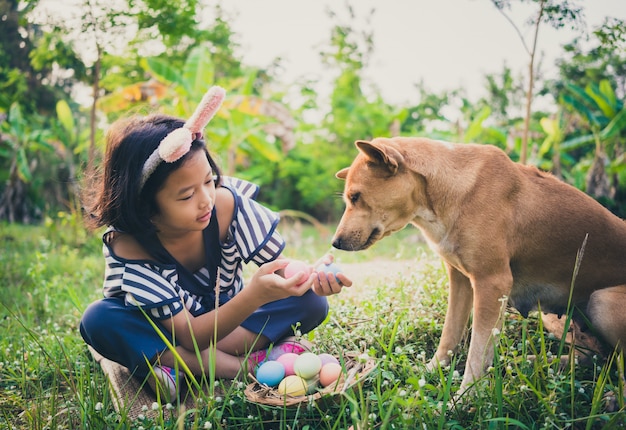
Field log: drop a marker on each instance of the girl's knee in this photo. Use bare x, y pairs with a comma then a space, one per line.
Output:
93, 319
97, 321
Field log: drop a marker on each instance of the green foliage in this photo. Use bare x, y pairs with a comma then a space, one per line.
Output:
258, 137
23, 145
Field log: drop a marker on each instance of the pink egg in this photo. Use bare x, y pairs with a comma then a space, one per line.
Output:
330, 373
287, 360
328, 358
296, 266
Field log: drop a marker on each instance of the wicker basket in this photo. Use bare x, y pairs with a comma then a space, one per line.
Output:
357, 370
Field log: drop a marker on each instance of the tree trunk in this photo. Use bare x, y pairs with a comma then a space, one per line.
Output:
92, 119
529, 92
598, 182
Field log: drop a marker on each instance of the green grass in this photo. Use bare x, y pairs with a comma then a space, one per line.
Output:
48, 381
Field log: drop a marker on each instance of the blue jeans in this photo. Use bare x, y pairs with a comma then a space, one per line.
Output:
123, 334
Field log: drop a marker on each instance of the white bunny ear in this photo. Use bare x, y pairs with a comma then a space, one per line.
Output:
178, 141
206, 110
175, 144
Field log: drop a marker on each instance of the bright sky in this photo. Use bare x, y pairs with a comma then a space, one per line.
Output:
447, 43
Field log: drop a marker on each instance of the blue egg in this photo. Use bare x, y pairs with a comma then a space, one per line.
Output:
328, 268
270, 373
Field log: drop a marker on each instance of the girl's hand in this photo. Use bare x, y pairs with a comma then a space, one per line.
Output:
271, 286
327, 284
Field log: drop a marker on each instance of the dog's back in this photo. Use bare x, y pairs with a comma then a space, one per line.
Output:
529, 209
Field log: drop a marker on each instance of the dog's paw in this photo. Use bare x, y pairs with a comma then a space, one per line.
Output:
612, 402
433, 365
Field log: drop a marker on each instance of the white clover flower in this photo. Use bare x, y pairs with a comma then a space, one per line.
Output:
99, 406
155, 406
456, 374
581, 390
169, 406
398, 350
495, 331
144, 408
402, 393
218, 399
421, 382
207, 425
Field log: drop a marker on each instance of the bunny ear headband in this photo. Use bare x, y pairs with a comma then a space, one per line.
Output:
178, 142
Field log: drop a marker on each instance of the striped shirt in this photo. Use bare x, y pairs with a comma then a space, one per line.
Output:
252, 237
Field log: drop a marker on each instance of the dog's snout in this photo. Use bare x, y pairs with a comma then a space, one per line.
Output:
337, 243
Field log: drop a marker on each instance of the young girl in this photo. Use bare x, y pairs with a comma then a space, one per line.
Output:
178, 234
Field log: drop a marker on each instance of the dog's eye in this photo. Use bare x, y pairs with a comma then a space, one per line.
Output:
354, 198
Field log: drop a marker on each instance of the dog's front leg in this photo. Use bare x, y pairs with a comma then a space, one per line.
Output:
457, 316
490, 299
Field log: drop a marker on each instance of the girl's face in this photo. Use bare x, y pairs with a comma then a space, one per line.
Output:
187, 197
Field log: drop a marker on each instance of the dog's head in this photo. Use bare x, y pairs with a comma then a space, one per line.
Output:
378, 192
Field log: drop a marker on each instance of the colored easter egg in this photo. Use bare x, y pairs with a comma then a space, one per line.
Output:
328, 268
330, 373
312, 384
294, 267
270, 373
292, 385
327, 358
287, 360
307, 365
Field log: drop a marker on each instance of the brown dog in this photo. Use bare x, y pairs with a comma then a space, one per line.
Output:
505, 232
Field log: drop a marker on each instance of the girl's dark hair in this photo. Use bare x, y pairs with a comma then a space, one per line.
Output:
114, 199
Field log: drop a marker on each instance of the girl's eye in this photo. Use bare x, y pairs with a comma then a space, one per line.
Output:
187, 197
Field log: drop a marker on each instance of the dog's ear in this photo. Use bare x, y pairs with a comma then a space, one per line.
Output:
380, 154
342, 174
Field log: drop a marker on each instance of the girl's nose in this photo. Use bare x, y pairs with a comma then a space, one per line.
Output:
207, 199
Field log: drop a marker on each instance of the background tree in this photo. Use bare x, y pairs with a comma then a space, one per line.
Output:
556, 13
23, 143
591, 90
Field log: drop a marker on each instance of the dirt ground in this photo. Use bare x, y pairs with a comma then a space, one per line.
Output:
377, 270
370, 273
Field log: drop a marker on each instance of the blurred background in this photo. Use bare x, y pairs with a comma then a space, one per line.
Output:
543, 80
